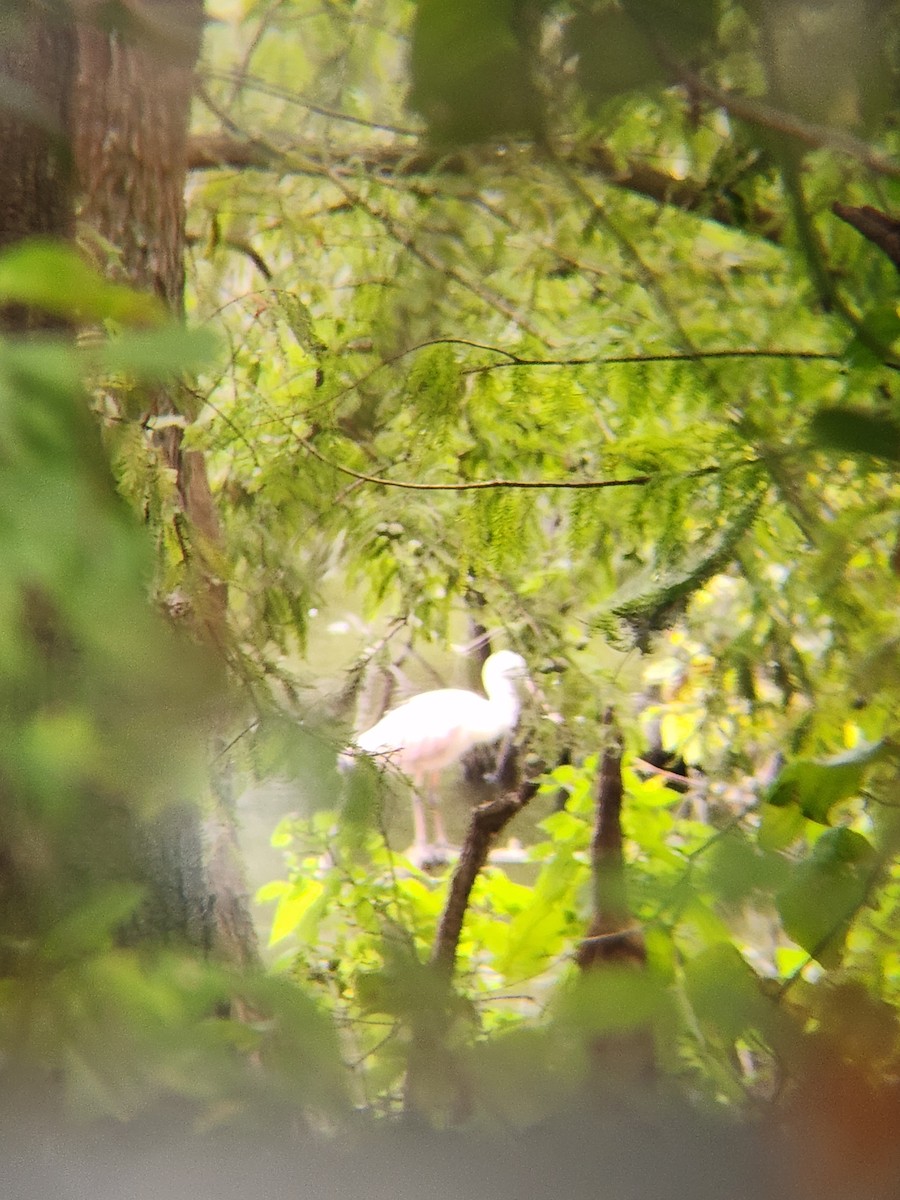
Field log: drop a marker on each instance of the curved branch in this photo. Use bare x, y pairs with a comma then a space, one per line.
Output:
880, 228
521, 484
488, 820
818, 137
217, 151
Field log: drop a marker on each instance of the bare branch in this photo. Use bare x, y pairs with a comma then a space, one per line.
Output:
819, 137
477, 485
219, 151
880, 228
488, 820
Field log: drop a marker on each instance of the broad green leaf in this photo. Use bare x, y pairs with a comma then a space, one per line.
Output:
614, 54
735, 868
535, 932
92, 923
56, 278
817, 785
519, 1075
844, 42
855, 431
679, 26
274, 890
780, 825
825, 891
158, 353
725, 994
292, 908
612, 1000
471, 70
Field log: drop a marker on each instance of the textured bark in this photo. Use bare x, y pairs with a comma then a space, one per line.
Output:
612, 937
131, 113
613, 940
36, 56
131, 110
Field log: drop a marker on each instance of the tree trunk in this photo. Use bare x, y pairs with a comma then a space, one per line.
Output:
131, 115
131, 109
121, 98
620, 1059
131, 112
36, 56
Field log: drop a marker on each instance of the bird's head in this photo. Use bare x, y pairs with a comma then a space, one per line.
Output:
504, 665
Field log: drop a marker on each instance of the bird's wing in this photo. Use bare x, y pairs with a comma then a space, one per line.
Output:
432, 730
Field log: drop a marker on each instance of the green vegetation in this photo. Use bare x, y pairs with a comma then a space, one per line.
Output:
530, 318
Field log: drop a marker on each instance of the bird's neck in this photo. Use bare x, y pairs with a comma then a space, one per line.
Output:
505, 701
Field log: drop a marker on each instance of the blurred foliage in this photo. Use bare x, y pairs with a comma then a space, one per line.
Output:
540, 321
105, 714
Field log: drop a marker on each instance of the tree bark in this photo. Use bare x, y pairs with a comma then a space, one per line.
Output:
115, 102
131, 115
131, 109
613, 939
36, 57
612, 936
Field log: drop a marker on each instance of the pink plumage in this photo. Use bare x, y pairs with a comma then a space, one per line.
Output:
435, 729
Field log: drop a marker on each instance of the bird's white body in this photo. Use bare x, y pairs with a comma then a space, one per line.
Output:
435, 729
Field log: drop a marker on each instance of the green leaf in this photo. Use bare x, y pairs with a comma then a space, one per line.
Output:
613, 1000
535, 932
518, 1074
680, 28
91, 924
613, 54
632, 46
817, 785
818, 904
55, 278
159, 353
471, 70
736, 868
879, 332
855, 431
724, 992
292, 908
780, 825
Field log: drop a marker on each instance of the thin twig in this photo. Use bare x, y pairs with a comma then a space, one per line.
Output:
521, 484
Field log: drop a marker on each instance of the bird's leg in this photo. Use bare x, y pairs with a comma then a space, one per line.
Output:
500, 761
441, 841
423, 852
420, 848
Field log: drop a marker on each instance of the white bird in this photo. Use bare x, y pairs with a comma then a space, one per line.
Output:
435, 729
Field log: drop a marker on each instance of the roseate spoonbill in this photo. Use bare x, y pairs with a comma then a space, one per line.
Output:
435, 729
